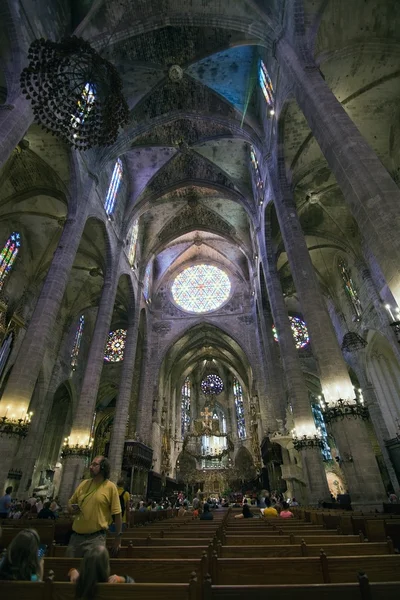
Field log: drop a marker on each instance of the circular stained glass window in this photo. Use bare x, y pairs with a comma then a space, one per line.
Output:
201, 288
212, 384
300, 332
115, 346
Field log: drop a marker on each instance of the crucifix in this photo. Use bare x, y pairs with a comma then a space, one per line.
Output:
207, 416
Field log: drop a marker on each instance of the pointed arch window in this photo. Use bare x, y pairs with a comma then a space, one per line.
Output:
239, 406
133, 238
77, 342
146, 281
185, 406
8, 255
349, 288
266, 84
257, 173
113, 188
320, 425
84, 106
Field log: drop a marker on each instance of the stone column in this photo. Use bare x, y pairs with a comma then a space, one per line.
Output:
81, 426
368, 189
378, 422
271, 358
124, 394
313, 467
15, 120
25, 371
376, 300
361, 471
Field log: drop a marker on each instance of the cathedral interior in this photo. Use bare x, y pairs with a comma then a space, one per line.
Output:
212, 300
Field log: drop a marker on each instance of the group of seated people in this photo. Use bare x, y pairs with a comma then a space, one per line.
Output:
202, 510
277, 510
23, 561
34, 508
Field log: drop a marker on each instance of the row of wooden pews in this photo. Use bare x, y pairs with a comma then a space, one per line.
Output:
276, 558
375, 527
229, 558
166, 560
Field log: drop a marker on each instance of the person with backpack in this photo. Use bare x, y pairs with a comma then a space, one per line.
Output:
124, 501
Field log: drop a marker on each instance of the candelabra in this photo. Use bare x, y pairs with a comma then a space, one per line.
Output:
77, 449
307, 442
349, 409
15, 427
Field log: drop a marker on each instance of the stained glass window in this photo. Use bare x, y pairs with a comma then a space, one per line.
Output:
320, 424
84, 106
185, 406
201, 288
146, 281
8, 255
349, 288
113, 188
257, 173
115, 346
133, 237
238, 395
299, 330
266, 84
212, 384
77, 342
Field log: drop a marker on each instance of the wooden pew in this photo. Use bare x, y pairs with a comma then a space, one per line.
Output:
347, 591
151, 551
45, 532
361, 549
271, 571
282, 531
150, 541
61, 528
268, 540
142, 570
26, 590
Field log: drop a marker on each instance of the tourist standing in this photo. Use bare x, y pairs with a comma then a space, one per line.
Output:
5, 503
93, 503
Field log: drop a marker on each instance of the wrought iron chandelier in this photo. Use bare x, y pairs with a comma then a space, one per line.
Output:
345, 409
352, 342
75, 93
305, 441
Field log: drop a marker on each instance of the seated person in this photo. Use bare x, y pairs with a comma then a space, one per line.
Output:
269, 511
246, 513
206, 515
21, 561
94, 569
46, 512
183, 509
285, 512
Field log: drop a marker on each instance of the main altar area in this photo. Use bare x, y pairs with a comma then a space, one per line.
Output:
206, 461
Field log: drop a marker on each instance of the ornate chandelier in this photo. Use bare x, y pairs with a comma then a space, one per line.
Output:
75, 93
352, 342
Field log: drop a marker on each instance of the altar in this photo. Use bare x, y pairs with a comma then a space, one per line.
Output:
207, 444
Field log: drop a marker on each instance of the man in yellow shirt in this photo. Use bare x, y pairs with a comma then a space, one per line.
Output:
93, 503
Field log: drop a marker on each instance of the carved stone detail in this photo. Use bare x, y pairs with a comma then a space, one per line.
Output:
196, 216
162, 328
